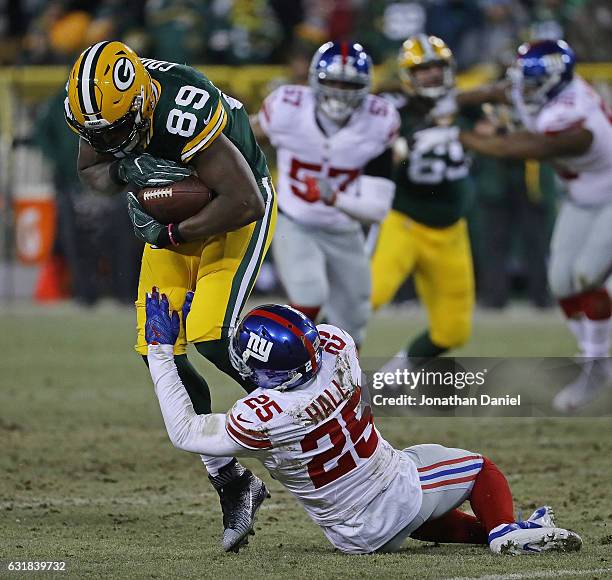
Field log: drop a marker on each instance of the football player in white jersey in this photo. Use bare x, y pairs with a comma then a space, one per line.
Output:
566, 122
333, 141
306, 422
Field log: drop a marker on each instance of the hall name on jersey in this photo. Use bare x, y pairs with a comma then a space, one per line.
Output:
325, 404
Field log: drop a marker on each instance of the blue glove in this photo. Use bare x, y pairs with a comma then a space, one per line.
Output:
187, 305
161, 326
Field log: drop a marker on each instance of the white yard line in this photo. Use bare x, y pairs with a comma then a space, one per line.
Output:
543, 574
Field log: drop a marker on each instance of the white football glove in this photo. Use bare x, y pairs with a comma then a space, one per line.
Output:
428, 139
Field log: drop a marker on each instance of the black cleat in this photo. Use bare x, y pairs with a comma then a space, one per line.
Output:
241, 494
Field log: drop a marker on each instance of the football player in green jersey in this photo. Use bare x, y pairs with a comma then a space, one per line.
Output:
151, 123
426, 233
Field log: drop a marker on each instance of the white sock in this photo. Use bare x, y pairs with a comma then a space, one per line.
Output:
214, 464
596, 337
576, 325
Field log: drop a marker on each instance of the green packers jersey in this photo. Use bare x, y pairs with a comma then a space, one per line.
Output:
191, 113
433, 188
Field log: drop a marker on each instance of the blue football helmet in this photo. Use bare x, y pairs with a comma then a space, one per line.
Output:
542, 70
276, 347
341, 77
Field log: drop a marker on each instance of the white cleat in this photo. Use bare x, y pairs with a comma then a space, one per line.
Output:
527, 538
544, 516
595, 376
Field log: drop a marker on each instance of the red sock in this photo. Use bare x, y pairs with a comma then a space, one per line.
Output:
311, 311
596, 304
491, 499
455, 527
571, 305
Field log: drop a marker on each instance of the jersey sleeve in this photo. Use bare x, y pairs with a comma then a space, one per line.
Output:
393, 128
559, 116
211, 120
277, 111
187, 430
244, 427
384, 121
336, 341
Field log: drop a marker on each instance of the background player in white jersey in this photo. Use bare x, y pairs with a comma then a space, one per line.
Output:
565, 121
333, 143
306, 423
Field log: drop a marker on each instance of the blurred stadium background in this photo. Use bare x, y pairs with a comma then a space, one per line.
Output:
51, 227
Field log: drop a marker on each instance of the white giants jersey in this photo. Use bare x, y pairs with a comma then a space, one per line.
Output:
588, 176
320, 442
304, 150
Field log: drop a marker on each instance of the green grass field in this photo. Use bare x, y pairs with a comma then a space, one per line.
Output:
89, 477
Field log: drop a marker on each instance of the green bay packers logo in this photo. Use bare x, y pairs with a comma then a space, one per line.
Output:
124, 74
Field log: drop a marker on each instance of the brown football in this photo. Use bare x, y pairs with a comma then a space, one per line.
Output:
175, 202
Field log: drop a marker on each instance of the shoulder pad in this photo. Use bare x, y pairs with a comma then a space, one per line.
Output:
334, 338
562, 114
277, 113
385, 119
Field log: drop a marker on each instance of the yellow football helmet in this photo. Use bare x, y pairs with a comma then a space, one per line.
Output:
111, 98
421, 51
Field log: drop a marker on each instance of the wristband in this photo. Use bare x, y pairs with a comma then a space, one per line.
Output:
113, 172
169, 236
174, 235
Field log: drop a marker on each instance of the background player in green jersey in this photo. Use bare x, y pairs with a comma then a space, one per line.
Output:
426, 233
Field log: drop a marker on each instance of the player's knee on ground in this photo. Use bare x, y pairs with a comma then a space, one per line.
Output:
491, 498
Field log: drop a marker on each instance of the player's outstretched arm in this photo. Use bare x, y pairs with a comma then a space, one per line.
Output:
204, 434
376, 191
527, 145
493, 93
238, 201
